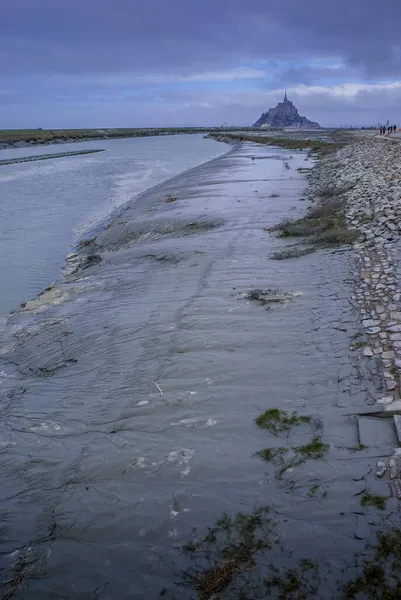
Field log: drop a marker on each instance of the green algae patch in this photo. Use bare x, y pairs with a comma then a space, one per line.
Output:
314, 449
276, 420
313, 491
374, 500
272, 454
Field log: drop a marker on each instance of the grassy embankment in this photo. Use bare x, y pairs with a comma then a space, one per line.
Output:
290, 143
42, 136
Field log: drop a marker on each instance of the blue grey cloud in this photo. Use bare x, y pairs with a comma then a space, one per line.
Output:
91, 55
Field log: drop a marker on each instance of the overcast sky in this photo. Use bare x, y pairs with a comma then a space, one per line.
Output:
129, 63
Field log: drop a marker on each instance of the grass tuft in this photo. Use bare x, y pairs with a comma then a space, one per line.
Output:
294, 584
324, 223
228, 551
380, 574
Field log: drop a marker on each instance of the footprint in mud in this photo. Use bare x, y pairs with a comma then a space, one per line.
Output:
179, 457
195, 423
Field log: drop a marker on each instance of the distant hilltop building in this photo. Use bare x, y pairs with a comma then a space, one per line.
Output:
285, 115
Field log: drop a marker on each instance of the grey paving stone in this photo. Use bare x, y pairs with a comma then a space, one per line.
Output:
374, 431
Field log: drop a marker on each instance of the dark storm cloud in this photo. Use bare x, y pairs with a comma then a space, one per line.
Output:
102, 36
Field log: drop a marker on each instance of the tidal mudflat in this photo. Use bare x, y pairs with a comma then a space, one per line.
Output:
181, 411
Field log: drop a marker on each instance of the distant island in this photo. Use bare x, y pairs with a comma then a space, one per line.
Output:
284, 114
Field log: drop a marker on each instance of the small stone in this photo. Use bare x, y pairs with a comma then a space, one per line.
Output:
388, 353
370, 322
385, 400
374, 330
390, 384
397, 486
367, 351
393, 468
394, 328
396, 315
380, 468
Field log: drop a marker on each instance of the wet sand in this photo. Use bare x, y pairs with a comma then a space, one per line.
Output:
130, 391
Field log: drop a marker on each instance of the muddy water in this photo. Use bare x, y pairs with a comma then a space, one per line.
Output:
46, 205
130, 390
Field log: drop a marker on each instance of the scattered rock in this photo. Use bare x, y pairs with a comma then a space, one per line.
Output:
385, 400
368, 351
370, 323
381, 468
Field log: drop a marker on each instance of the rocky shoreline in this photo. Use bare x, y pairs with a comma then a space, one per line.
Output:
367, 175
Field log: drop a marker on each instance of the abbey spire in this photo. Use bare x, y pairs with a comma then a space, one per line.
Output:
284, 114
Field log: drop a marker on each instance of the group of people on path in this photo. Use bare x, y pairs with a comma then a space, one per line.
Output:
389, 129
